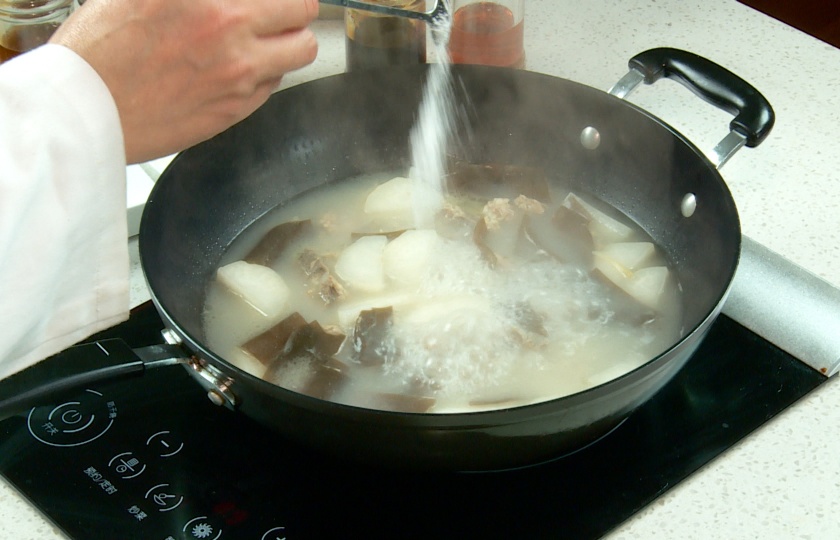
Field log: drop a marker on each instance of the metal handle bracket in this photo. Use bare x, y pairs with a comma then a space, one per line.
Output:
754, 117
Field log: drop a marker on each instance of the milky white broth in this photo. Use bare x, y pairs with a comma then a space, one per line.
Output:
465, 333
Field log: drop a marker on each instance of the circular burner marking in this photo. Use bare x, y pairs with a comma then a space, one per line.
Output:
72, 423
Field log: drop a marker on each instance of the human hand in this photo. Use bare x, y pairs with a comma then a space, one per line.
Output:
181, 71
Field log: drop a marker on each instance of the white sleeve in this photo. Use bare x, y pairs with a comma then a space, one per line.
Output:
63, 234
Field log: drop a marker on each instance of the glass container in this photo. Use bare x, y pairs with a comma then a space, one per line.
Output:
27, 24
374, 40
488, 32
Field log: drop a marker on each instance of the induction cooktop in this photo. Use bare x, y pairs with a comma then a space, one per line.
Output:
152, 458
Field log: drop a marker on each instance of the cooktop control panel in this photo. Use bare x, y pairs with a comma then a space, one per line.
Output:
145, 473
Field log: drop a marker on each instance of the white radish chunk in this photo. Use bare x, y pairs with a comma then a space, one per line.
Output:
613, 271
246, 362
604, 229
631, 255
360, 264
406, 257
463, 307
259, 286
614, 371
394, 204
393, 196
646, 285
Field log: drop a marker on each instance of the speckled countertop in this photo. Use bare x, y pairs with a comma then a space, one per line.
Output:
783, 481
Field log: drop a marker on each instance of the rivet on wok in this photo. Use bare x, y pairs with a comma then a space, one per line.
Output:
216, 398
688, 205
590, 138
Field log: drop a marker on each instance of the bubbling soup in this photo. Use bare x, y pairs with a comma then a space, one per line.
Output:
515, 292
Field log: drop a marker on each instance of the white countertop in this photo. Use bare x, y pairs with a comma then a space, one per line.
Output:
782, 481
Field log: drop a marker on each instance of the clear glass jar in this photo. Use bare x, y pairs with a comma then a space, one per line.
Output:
488, 32
373, 40
26, 24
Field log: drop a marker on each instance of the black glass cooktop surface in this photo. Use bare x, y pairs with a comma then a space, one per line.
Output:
152, 458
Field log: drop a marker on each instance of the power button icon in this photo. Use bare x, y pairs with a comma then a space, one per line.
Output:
277, 533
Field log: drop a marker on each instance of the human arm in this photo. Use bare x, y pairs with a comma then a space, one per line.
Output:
63, 252
181, 71
104, 93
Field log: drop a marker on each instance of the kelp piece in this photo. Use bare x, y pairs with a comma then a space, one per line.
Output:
314, 339
372, 339
307, 363
498, 180
269, 345
327, 379
275, 241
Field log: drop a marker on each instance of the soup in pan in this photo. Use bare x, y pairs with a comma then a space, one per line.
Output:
513, 291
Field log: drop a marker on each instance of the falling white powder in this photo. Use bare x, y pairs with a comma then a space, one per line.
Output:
434, 127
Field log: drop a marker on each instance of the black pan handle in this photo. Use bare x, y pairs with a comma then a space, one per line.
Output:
754, 117
80, 366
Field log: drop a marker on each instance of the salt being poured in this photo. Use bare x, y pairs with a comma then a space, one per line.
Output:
434, 127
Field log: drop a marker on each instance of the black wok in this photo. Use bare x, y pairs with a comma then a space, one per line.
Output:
342, 126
